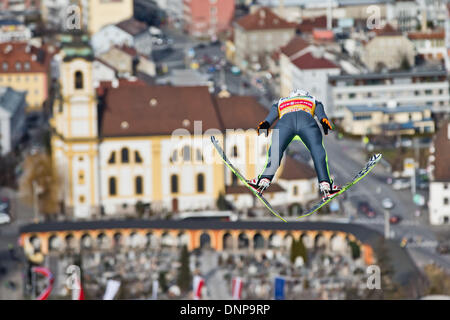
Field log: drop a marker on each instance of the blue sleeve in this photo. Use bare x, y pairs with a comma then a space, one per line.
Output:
320, 111
273, 114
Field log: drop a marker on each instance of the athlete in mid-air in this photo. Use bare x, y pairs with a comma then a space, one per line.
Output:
295, 116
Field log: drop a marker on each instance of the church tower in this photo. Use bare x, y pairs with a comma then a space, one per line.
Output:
75, 128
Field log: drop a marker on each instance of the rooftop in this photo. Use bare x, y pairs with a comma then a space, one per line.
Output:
264, 19
133, 26
20, 57
399, 109
296, 170
309, 61
294, 46
10, 99
387, 75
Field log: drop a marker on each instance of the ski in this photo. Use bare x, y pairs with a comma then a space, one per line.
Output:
242, 178
368, 167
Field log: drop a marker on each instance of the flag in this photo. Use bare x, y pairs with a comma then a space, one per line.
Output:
155, 290
236, 288
279, 288
112, 286
198, 283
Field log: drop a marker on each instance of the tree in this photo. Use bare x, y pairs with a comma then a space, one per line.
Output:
222, 203
356, 251
184, 274
39, 176
298, 249
405, 65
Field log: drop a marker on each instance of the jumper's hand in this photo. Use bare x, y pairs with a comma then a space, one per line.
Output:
264, 125
326, 125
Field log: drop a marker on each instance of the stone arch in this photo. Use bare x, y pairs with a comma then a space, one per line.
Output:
135, 240
103, 241
287, 241
205, 240
54, 243
307, 241
243, 241
182, 239
86, 241
70, 242
167, 240
338, 243
227, 239
118, 239
320, 242
258, 241
151, 240
275, 240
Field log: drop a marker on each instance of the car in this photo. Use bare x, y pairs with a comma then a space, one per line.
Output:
4, 218
365, 208
400, 184
387, 203
395, 219
235, 70
443, 248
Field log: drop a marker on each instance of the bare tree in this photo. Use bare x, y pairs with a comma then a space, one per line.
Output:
40, 183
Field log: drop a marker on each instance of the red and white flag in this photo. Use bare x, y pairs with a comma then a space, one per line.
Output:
236, 288
198, 283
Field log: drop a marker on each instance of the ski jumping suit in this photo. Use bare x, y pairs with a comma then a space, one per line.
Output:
296, 122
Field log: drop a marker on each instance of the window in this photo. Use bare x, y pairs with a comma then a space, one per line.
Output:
112, 186
78, 80
5, 66
295, 190
137, 157
186, 153
174, 183
81, 199
18, 66
26, 66
112, 157
81, 177
174, 156
445, 201
138, 185
200, 182
124, 154
199, 156
235, 151
234, 179
446, 186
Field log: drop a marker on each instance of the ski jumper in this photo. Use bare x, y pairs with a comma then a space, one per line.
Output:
296, 122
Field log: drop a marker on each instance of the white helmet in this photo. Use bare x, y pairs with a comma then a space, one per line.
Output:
298, 92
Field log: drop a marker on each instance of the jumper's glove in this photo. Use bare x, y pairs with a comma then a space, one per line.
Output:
326, 125
264, 125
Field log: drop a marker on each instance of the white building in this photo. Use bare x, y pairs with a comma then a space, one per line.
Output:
13, 30
12, 118
306, 67
439, 201
428, 88
130, 33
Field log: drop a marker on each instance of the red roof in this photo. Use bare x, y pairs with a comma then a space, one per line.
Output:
296, 170
309, 24
105, 85
20, 57
387, 30
263, 19
440, 34
135, 110
294, 46
308, 61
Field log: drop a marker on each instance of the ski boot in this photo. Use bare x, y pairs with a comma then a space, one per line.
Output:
328, 190
259, 184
